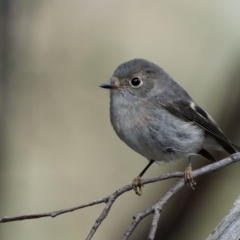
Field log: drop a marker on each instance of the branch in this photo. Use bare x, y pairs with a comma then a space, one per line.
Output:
229, 227
155, 209
94, 202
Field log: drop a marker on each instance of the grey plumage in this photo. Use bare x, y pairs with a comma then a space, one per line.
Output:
157, 118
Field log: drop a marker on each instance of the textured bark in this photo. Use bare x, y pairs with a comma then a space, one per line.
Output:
229, 227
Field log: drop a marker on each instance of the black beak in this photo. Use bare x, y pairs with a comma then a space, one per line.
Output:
108, 85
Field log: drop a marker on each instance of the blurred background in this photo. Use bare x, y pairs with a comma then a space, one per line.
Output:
58, 148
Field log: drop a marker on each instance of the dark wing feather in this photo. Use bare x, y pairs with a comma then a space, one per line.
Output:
207, 155
237, 147
190, 111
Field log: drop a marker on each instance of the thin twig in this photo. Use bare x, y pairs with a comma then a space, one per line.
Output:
53, 213
155, 209
159, 206
155, 219
104, 213
94, 202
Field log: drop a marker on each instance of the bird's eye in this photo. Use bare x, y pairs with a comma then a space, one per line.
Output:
136, 82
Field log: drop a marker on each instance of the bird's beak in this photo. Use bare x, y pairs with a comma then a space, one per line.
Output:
108, 85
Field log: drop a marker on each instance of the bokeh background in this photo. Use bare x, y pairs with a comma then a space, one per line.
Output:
58, 148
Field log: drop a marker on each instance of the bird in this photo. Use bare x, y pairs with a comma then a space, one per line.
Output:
157, 118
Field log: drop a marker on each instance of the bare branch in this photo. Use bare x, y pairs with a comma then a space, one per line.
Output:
153, 229
159, 206
98, 201
104, 213
229, 228
53, 213
155, 209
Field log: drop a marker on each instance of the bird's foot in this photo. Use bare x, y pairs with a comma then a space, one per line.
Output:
188, 177
137, 185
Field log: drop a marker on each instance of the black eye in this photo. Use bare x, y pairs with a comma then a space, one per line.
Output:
136, 82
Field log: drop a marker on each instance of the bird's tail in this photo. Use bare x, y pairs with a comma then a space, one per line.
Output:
236, 147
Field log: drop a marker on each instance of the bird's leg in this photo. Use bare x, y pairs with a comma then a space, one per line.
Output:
137, 182
188, 174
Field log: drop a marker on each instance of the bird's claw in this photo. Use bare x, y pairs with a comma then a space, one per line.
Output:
188, 177
137, 185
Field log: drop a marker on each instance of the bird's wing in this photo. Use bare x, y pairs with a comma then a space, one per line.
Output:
190, 111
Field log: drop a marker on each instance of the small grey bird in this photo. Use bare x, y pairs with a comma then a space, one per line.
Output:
157, 118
